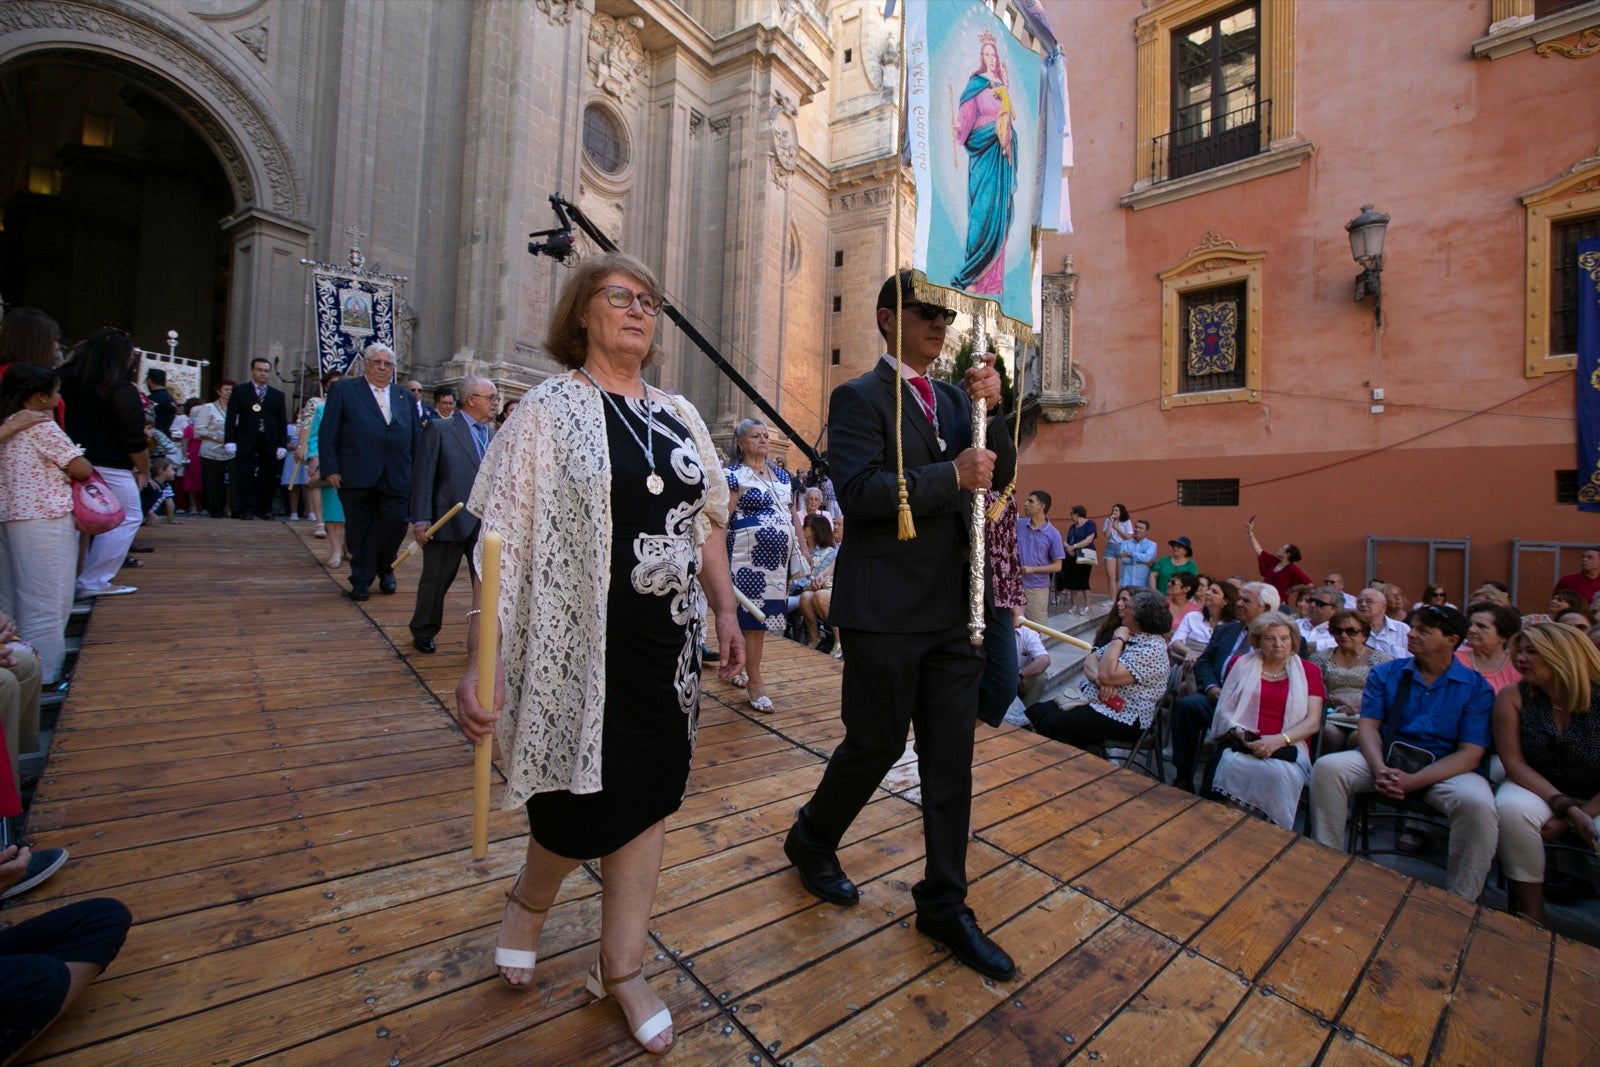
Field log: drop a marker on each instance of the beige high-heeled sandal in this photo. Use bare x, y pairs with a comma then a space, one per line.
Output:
646, 1031
517, 958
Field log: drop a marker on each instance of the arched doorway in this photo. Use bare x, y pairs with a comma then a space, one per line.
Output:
111, 207
162, 63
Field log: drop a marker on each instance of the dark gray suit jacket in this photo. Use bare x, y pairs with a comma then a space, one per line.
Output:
882, 583
442, 475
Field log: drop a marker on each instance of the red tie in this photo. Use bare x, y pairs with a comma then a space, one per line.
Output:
924, 390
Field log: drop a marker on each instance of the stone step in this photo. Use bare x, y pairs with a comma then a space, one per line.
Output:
1066, 661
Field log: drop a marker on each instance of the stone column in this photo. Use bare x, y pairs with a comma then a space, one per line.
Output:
1062, 393
267, 311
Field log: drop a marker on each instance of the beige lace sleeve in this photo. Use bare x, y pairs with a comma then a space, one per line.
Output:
543, 486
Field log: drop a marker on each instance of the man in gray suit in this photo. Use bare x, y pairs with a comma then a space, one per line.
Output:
441, 477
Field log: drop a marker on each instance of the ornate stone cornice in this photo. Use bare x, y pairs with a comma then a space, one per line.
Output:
179, 66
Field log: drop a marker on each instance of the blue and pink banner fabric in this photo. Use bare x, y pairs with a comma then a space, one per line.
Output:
986, 132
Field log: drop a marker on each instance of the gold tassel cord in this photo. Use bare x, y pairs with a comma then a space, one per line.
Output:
908, 528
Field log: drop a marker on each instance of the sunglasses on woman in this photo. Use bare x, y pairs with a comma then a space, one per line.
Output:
1347, 631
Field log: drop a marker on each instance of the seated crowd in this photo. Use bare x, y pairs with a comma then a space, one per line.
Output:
1284, 689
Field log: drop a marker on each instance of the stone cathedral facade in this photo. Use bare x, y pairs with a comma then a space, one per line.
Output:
167, 164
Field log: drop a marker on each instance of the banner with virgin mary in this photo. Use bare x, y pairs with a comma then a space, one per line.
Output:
981, 156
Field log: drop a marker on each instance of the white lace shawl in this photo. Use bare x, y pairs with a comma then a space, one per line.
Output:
544, 485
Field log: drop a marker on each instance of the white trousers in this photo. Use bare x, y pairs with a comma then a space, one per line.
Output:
1466, 800
38, 559
109, 551
1521, 847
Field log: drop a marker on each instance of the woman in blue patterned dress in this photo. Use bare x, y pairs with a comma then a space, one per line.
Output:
760, 544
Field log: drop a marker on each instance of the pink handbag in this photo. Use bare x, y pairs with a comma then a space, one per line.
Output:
95, 508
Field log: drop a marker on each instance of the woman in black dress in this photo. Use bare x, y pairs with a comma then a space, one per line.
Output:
610, 499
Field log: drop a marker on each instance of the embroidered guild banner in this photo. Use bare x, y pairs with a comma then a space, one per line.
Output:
1589, 374
1213, 338
352, 311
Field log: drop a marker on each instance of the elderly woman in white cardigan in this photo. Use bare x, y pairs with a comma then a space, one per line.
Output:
1271, 704
610, 499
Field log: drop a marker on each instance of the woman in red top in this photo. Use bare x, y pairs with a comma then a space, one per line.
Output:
1277, 568
1271, 704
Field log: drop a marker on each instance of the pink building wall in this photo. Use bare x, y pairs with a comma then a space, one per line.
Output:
1404, 118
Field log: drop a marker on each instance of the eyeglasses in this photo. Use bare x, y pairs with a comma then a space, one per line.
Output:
933, 313
620, 296
482, 396
1347, 631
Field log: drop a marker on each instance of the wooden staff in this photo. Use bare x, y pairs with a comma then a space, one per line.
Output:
1039, 627
488, 649
749, 605
402, 557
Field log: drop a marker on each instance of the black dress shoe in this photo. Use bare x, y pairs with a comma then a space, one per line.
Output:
971, 945
819, 870
386, 585
424, 644
357, 593
244, 516
709, 655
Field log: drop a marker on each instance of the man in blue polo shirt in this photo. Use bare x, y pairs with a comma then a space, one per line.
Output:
1424, 732
1040, 551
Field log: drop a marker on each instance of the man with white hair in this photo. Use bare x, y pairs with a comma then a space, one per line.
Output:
369, 433
1191, 716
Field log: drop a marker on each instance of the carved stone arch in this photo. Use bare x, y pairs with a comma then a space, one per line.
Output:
179, 64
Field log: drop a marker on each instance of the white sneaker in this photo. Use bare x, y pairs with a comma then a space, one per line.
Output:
110, 590
294, 518
41, 865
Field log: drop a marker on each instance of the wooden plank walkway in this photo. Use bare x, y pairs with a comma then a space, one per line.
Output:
267, 775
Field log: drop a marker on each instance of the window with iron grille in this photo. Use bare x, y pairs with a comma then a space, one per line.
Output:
1566, 487
1564, 277
1216, 114
1208, 492
1211, 339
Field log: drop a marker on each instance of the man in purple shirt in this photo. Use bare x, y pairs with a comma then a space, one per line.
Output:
1040, 550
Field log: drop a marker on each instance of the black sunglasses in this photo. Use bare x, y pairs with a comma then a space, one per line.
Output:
1320, 603
933, 313
1346, 631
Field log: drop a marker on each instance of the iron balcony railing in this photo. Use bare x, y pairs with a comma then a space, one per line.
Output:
1239, 134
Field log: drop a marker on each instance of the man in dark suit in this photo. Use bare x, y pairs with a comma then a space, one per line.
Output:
446, 466
257, 425
1192, 715
901, 608
368, 436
